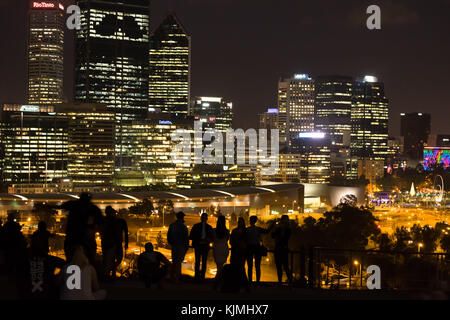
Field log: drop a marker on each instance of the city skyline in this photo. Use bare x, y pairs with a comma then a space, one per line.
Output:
252, 87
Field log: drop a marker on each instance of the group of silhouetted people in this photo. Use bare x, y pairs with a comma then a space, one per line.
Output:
34, 268
246, 247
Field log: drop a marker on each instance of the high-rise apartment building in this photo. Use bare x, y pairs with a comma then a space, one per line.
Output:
170, 56
46, 52
296, 103
415, 128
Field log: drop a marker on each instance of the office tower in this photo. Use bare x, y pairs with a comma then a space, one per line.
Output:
288, 170
170, 61
414, 128
314, 148
333, 101
369, 120
296, 101
395, 157
269, 119
153, 147
34, 144
112, 50
90, 151
46, 52
214, 112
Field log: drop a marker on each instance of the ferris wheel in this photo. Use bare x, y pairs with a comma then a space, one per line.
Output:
438, 187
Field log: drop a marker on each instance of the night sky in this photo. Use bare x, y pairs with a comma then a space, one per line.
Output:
240, 48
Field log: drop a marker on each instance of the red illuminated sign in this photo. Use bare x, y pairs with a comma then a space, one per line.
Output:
43, 5
47, 5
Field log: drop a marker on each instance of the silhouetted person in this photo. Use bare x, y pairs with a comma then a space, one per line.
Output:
112, 234
15, 246
202, 235
220, 245
153, 266
108, 236
16, 254
178, 238
40, 238
281, 235
254, 248
238, 243
42, 281
231, 279
82, 223
121, 238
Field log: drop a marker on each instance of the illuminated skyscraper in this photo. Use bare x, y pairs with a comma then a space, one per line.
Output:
34, 144
369, 120
90, 143
46, 52
215, 112
153, 148
333, 103
296, 101
112, 61
170, 55
314, 148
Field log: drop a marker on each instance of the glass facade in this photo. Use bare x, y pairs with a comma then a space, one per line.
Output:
170, 55
333, 101
90, 144
296, 101
152, 149
215, 112
45, 52
112, 61
34, 145
369, 120
315, 158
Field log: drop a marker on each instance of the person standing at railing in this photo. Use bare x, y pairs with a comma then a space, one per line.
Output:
281, 235
238, 243
255, 250
220, 245
178, 238
202, 235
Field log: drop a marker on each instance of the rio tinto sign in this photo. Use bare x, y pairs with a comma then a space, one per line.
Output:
46, 5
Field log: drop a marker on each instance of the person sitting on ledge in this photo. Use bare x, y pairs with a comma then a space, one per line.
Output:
152, 266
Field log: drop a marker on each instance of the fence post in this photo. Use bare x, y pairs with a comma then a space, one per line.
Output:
311, 267
302, 265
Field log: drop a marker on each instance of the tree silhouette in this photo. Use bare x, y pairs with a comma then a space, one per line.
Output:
44, 212
142, 208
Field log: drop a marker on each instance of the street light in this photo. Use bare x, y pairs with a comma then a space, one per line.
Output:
420, 245
356, 262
